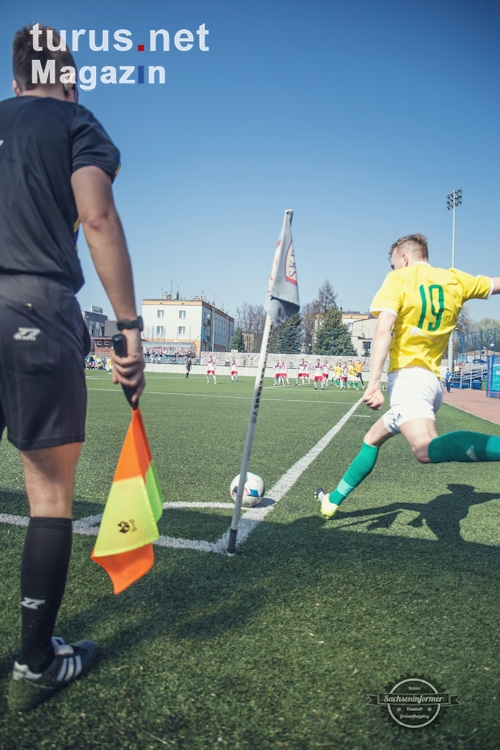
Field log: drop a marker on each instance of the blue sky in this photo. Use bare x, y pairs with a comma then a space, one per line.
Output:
360, 115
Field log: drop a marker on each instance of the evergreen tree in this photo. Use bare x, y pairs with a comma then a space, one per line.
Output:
238, 342
308, 326
288, 335
333, 334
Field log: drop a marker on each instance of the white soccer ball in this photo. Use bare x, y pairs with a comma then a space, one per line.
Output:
253, 491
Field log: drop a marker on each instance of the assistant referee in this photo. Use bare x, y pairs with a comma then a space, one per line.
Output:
57, 165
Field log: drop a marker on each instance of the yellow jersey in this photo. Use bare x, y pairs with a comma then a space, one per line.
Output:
426, 302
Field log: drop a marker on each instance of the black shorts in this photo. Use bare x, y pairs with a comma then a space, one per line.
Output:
43, 344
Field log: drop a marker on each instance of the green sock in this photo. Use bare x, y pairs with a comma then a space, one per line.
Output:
357, 471
464, 446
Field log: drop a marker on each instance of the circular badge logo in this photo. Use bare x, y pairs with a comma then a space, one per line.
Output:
414, 702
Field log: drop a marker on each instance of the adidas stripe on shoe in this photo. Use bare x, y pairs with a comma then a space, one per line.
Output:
328, 509
28, 689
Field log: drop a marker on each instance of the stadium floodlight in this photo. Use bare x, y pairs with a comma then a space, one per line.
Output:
453, 200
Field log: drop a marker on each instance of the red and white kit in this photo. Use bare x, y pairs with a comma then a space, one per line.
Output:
318, 373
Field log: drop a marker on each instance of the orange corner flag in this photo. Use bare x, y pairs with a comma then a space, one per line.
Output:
134, 506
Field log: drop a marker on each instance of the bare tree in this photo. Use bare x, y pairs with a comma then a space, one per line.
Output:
251, 319
465, 324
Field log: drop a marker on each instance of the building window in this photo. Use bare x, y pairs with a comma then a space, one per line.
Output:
182, 314
182, 330
160, 313
160, 330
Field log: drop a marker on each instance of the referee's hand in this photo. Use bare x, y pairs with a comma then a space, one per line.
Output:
129, 370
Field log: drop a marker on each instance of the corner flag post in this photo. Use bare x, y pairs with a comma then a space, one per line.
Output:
282, 301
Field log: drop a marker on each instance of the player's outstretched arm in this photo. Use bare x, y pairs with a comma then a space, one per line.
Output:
373, 396
106, 240
496, 285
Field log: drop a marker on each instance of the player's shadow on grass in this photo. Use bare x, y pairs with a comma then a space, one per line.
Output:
442, 515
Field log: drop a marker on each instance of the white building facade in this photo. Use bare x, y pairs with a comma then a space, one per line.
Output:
186, 324
362, 334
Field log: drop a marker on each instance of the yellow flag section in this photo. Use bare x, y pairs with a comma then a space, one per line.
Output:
134, 506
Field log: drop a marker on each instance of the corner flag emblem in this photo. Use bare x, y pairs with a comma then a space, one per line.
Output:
290, 268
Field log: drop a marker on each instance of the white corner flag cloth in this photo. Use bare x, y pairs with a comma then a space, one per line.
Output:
282, 300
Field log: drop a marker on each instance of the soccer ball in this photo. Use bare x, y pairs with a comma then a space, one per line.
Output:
253, 491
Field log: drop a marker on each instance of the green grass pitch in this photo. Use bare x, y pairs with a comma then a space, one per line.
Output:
280, 645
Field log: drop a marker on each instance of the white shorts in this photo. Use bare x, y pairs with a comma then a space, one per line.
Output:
414, 393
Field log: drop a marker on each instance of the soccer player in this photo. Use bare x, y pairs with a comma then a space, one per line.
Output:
300, 372
318, 375
344, 375
338, 373
277, 373
57, 169
284, 374
234, 371
359, 372
326, 373
353, 382
417, 309
306, 374
211, 370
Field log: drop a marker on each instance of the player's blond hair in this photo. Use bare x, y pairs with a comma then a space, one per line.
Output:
416, 244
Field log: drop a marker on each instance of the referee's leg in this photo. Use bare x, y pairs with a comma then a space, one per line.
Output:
49, 479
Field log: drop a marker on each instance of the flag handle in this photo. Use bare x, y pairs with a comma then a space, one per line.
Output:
120, 347
259, 381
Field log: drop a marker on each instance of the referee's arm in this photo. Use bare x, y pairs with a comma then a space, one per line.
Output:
108, 247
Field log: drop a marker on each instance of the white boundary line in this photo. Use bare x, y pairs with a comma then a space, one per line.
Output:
251, 518
225, 396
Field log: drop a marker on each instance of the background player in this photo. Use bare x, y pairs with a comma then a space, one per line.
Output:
318, 375
234, 371
359, 372
284, 374
211, 370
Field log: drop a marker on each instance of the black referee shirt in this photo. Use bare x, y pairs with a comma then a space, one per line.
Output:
42, 142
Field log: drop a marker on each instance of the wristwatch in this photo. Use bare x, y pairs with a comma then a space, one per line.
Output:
137, 323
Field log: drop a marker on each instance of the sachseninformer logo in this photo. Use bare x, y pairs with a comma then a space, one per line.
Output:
413, 702
160, 40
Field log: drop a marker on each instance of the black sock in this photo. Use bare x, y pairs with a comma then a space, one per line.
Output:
44, 566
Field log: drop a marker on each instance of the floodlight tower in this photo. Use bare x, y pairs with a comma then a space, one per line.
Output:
453, 200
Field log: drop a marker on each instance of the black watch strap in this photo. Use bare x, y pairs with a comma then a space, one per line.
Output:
137, 323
